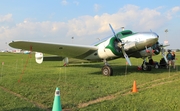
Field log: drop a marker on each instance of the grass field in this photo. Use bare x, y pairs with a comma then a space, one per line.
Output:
28, 86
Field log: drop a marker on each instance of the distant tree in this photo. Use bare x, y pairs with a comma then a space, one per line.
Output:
177, 50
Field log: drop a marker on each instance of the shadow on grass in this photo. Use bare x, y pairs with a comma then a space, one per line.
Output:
92, 65
119, 70
123, 69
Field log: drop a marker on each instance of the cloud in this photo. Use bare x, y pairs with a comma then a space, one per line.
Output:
96, 7
6, 18
76, 2
172, 12
85, 28
64, 2
175, 9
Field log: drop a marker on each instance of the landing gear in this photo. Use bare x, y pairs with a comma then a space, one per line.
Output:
107, 70
146, 66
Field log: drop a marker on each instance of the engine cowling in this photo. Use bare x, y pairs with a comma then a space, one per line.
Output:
106, 49
39, 57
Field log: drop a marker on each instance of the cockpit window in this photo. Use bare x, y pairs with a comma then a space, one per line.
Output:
126, 32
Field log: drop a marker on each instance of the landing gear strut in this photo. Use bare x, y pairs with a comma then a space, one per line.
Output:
146, 66
106, 69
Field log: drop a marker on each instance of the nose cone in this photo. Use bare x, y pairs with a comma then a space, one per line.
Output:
146, 39
153, 37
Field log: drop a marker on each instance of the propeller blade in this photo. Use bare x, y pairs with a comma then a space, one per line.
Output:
121, 45
119, 40
161, 46
112, 30
163, 54
126, 57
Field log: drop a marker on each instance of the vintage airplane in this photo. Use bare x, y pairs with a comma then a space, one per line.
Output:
123, 44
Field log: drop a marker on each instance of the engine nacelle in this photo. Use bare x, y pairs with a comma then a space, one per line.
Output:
39, 57
104, 52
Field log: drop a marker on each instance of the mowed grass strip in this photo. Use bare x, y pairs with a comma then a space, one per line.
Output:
10, 102
164, 97
127, 91
79, 83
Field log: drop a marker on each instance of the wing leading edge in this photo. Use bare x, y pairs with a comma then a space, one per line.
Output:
63, 50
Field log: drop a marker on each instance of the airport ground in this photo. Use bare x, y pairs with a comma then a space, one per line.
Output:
28, 86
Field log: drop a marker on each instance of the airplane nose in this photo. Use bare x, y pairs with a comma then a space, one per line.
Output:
156, 36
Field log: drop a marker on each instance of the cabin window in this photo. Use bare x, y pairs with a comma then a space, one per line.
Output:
125, 33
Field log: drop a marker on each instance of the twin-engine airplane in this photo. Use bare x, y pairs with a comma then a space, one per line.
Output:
123, 44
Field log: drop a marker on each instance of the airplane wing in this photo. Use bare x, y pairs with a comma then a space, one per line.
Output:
60, 49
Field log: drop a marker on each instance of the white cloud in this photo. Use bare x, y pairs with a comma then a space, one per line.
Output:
64, 2
175, 9
172, 12
97, 7
76, 2
86, 28
6, 18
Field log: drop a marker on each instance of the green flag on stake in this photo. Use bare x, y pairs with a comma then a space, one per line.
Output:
57, 101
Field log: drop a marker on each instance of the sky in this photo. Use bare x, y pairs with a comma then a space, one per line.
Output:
86, 22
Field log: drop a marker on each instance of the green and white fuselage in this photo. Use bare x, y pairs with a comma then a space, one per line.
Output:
135, 46
123, 44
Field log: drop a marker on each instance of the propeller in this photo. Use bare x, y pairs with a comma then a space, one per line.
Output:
121, 45
163, 52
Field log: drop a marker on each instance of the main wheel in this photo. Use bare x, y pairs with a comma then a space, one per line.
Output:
146, 67
107, 70
149, 68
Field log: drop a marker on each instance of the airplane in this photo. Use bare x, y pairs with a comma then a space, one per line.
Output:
123, 44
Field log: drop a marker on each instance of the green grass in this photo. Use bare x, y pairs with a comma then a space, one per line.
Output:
13, 103
81, 83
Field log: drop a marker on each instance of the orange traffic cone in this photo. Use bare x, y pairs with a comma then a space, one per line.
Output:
134, 89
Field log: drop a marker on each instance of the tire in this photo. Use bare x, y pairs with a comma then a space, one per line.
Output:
107, 70
144, 68
156, 66
147, 67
